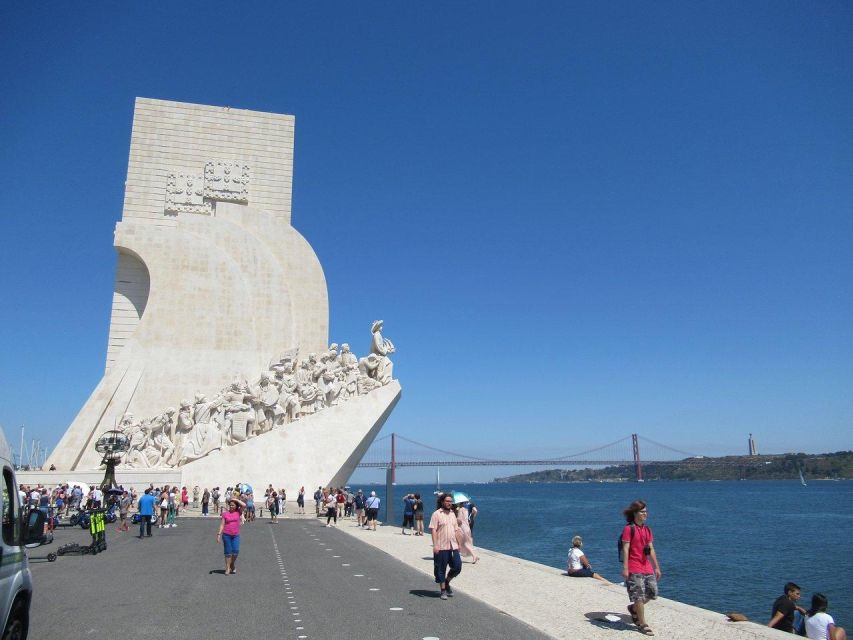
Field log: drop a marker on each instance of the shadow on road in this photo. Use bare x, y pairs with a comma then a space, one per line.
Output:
424, 593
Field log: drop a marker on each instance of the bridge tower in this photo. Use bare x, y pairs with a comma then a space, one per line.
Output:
393, 457
638, 465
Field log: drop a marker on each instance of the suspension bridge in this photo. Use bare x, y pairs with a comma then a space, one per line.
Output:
394, 451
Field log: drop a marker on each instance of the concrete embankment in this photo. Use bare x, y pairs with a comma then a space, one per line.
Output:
562, 607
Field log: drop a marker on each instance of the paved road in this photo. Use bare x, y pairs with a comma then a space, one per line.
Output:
296, 579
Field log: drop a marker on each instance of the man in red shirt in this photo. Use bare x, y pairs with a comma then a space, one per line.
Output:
638, 555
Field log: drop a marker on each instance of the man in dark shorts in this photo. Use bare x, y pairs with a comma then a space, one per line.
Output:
784, 609
372, 506
408, 513
638, 555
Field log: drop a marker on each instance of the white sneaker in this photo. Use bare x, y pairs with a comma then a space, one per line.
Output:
173, 526
328, 525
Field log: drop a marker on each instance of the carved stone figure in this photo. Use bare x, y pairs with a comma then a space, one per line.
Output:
265, 403
288, 389
378, 365
237, 418
240, 412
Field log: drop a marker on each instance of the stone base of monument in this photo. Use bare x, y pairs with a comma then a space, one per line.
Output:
322, 449
136, 478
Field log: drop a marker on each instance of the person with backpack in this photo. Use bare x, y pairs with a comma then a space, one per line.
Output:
372, 505
359, 501
409, 513
637, 554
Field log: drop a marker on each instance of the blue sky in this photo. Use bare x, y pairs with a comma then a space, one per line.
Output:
578, 221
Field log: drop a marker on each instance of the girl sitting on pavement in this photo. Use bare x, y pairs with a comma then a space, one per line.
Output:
579, 566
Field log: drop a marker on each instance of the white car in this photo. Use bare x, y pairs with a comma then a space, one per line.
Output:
17, 530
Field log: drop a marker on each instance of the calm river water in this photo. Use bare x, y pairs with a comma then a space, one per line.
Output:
725, 546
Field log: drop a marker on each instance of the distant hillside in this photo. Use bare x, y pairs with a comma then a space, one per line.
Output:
834, 466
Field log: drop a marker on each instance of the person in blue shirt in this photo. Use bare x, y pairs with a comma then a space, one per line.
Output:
146, 513
359, 509
408, 513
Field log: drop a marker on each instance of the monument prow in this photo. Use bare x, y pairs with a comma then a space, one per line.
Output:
213, 282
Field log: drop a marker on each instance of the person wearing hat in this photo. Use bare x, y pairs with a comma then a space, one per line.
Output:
372, 506
466, 540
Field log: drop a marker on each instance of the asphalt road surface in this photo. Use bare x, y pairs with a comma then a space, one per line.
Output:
296, 579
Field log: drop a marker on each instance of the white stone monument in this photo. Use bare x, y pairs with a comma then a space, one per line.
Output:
218, 362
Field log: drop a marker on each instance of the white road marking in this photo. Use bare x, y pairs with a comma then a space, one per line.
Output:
374, 589
395, 608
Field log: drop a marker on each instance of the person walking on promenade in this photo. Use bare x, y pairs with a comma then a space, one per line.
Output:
358, 503
300, 501
350, 497
205, 502
419, 515
637, 551
195, 497
340, 500
318, 497
146, 513
229, 533
331, 503
444, 528
272, 505
785, 608
214, 495
819, 624
466, 540
164, 506
408, 513
123, 507
578, 564
372, 506
174, 506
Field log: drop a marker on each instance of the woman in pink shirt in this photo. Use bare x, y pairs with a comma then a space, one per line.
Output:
229, 533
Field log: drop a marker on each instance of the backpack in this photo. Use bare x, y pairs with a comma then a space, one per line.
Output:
619, 549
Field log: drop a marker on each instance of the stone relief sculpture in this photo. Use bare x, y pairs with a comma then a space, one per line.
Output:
378, 365
185, 193
226, 181
291, 389
196, 193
